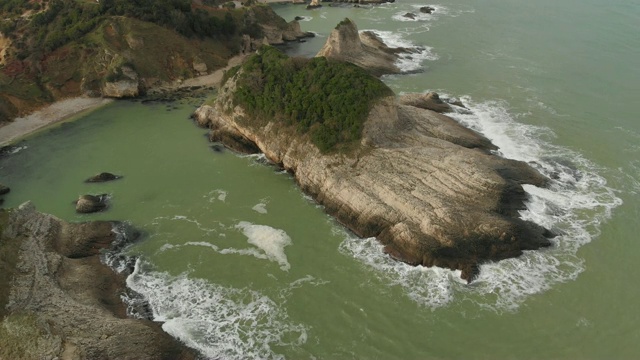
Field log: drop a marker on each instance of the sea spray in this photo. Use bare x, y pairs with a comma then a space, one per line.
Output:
573, 206
221, 322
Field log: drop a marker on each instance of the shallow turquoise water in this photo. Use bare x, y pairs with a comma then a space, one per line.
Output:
241, 265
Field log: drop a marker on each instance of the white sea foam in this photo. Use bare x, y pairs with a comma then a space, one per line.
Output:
573, 206
408, 62
221, 322
271, 241
261, 207
217, 194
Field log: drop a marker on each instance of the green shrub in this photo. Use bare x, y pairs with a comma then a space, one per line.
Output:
329, 100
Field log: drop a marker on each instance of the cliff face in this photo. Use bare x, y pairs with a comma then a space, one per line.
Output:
59, 301
365, 50
425, 186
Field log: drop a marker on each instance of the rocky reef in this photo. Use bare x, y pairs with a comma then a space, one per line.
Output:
58, 301
428, 188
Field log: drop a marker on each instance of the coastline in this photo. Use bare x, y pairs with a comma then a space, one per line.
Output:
66, 109
51, 114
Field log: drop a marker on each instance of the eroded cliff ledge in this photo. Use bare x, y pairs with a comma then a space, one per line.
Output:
58, 301
425, 186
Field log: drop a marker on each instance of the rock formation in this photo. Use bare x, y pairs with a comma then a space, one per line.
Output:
91, 203
425, 186
3, 191
430, 101
58, 301
314, 4
126, 86
103, 177
427, 9
365, 50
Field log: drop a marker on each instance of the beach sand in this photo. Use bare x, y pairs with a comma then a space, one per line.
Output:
51, 114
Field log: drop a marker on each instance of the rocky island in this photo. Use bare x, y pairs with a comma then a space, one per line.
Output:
428, 188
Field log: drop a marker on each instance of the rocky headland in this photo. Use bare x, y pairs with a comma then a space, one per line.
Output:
58, 301
428, 188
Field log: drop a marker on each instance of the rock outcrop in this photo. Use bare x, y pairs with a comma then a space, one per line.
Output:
103, 177
430, 101
3, 191
366, 50
91, 203
126, 86
58, 301
425, 186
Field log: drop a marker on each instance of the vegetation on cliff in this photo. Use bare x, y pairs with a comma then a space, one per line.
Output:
329, 100
52, 49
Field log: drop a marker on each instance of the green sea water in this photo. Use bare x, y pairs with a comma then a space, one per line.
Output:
240, 264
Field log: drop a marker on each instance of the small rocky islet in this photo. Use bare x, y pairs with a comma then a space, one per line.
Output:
428, 188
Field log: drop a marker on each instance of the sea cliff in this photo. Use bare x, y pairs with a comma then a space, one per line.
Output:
428, 188
58, 301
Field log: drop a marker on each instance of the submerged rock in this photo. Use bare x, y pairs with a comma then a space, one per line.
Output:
91, 203
4, 189
427, 9
103, 177
59, 301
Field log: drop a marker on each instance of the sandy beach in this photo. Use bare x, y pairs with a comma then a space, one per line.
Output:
54, 113
64, 109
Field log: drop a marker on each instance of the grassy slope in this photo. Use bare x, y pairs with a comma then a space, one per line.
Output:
157, 54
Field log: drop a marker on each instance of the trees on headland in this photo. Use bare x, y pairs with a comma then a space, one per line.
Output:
63, 21
329, 100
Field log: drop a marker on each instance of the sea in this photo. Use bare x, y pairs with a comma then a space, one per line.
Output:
238, 263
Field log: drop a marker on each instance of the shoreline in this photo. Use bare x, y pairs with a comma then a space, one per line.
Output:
66, 109
54, 113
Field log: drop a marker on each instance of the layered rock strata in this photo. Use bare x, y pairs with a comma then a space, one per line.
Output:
428, 188
364, 49
59, 301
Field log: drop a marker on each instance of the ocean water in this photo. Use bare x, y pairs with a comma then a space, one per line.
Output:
238, 263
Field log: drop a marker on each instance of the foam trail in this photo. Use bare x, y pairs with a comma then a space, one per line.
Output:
574, 205
407, 62
220, 322
261, 207
271, 241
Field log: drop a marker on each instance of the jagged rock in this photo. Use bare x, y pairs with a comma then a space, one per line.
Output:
429, 101
314, 4
410, 15
91, 203
58, 301
126, 87
365, 50
427, 9
428, 188
298, 18
4, 189
103, 177
200, 67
